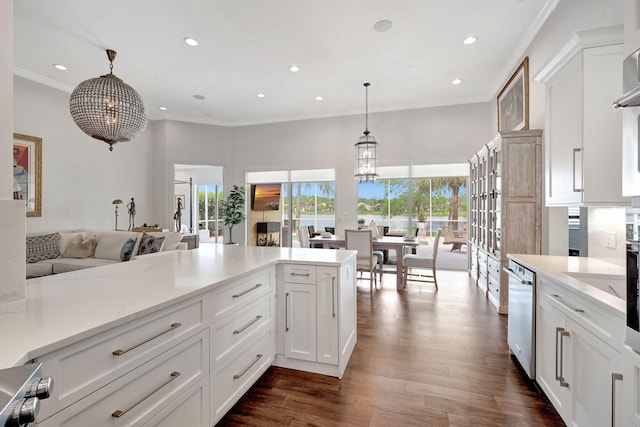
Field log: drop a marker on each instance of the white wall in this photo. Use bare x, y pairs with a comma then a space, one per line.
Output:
421, 136
80, 176
607, 239
189, 144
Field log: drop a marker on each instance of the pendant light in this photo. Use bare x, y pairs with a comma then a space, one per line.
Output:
108, 109
366, 149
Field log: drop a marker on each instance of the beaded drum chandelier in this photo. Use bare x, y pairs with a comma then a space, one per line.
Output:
108, 109
366, 169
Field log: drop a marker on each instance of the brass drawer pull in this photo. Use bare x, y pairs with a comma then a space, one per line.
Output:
242, 329
118, 413
171, 328
238, 376
247, 291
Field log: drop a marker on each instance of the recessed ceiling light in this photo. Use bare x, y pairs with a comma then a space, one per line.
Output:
201, 97
260, 95
163, 108
191, 41
470, 40
60, 67
456, 81
319, 98
294, 68
383, 25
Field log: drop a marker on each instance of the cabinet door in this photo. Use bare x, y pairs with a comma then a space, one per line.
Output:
564, 135
593, 382
551, 350
602, 134
631, 385
327, 292
300, 321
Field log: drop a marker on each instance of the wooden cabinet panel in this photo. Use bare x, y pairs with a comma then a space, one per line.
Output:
505, 208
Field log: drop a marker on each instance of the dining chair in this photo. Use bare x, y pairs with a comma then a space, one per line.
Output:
362, 242
303, 236
425, 262
331, 230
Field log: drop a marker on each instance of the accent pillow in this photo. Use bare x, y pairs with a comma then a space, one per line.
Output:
150, 244
45, 246
65, 238
110, 244
80, 247
127, 250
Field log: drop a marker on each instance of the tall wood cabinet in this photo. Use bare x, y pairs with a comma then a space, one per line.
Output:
505, 215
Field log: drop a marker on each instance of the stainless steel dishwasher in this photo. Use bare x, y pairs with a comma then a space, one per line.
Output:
521, 335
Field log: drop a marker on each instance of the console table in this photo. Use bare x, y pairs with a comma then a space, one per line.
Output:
264, 230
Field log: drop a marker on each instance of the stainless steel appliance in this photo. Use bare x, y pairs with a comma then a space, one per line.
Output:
633, 288
521, 322
21, 389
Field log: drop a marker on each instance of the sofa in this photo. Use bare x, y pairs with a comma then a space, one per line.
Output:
70, 250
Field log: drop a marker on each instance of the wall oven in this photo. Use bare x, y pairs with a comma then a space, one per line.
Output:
633, 288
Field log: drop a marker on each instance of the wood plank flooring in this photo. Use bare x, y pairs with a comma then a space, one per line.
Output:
423, 358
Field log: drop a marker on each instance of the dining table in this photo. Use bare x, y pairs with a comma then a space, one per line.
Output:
395, 243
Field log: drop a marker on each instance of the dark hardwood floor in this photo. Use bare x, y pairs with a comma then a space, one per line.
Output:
423, 358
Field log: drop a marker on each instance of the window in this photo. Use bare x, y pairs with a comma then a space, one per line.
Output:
308, 198
209, 195
417, 198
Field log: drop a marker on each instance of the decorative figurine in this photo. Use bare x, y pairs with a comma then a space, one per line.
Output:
131, 206
178, 215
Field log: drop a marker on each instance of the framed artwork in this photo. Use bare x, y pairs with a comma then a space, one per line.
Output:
513, 101
27, 172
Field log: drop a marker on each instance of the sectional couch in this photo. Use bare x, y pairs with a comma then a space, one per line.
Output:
70, 250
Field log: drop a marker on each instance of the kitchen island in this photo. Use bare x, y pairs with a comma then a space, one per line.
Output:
206, 316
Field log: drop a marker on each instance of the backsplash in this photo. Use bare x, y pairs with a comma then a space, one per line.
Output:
607, 233
12, 255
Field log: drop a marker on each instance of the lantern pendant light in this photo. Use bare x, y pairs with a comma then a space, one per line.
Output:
366, 169
108, 109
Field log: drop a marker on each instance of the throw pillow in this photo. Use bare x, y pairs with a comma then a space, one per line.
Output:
127, 250
65, 238
110, 244
150, 244
80, 247
45, 246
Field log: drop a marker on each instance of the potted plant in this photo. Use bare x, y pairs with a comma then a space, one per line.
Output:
232, 209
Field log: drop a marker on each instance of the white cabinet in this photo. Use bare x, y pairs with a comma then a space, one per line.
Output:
316, 317
576, 366
631, 384
583, 132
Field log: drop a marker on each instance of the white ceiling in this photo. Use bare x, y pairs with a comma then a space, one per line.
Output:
246, 47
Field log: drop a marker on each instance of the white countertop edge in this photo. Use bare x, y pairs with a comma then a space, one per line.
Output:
554, 266
10, 320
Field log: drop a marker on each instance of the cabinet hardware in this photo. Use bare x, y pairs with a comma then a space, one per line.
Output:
576, 189
563, 334
242, 329
333, 296
300, 274
238, 376
121, 352
286, 312
118, 413
614, 377
577, 310
247, 291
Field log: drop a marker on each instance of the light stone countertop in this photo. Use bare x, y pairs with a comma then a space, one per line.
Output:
65, 308
602, 281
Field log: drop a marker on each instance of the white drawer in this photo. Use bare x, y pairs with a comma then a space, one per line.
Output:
190, 409
240, 372
154, 385
494, 286
300, 273
228, 335
84, 367
493, 267
607, 324
232, 296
